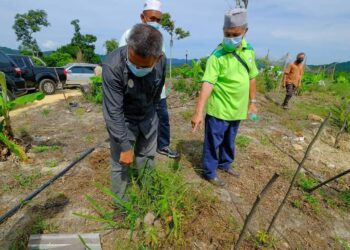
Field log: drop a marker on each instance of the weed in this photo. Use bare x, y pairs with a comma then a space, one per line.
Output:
80, 112
161, 192
187, 115
343, 243
27, 181
89, 139
296, 204
242, 141
264, 141
41, 149
345, 197
45, 112
52, 163
313, 201
263, 240
306, 183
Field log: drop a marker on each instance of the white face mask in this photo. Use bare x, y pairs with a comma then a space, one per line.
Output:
231, 43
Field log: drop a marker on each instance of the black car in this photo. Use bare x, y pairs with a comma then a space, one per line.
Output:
16, 85
45, 79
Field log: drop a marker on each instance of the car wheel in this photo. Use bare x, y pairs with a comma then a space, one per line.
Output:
47, 86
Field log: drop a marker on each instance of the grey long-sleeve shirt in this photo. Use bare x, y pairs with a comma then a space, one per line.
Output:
128, 99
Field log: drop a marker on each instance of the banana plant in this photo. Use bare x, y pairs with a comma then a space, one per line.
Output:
6, 133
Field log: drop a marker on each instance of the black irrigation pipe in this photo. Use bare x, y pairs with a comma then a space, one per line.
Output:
12, 211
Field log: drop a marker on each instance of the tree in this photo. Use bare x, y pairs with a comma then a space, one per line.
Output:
86, 44
111, 45
58, 59
26, 25
175, 33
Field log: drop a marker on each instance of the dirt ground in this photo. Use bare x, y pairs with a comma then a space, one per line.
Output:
70, 132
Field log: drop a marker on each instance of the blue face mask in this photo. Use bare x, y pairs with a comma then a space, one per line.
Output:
154, 25
231, 43
139, 72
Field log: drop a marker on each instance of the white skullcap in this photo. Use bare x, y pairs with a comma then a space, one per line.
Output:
152, 5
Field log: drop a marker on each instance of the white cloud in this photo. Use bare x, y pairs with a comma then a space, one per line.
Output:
50, 45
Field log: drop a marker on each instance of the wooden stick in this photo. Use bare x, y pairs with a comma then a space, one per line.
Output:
337, 139
252, 211
297, 172
327, 181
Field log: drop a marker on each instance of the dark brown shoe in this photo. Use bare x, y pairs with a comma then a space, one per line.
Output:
232, 172
217, 182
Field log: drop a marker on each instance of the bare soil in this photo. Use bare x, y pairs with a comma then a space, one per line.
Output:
74, 130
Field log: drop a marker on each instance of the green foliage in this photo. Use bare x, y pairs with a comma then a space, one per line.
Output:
58, 59
161, 192
341, 114
111, 45
86, 43
41, 149
95, 95
28, 23
313, 201
306, 183
20, 101
345, 197
262, 240
343, 243
242, 141
27, 181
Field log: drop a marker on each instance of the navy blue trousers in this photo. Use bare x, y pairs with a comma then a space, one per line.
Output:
163, 126
219, 145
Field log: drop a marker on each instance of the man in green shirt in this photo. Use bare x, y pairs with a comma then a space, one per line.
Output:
228, 94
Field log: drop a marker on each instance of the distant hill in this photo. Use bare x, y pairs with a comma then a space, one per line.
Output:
9, 51
340, 67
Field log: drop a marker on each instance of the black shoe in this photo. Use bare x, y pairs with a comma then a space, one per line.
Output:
217, 182
232, 172
168, 152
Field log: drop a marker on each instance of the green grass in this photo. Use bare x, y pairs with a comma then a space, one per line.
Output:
41, 149
45, 112
313, 201
306, 183
242, 141
26, 181
52, 163
345, 197
186, 115
263, 241
162, 192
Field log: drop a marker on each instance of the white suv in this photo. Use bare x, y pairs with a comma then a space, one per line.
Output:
79, 74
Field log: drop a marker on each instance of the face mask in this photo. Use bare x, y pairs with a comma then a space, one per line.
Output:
154, 25
139, 72
231, 43
300, 60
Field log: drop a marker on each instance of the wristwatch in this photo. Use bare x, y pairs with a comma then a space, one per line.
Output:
253, 101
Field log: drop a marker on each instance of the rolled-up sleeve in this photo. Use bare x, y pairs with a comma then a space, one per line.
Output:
113, 110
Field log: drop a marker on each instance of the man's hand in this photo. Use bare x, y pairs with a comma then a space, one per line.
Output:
197, 121
126, 158
252, 109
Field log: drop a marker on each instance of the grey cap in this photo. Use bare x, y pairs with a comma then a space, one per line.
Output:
235, 18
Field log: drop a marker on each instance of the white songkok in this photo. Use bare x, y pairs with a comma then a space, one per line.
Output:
152, 5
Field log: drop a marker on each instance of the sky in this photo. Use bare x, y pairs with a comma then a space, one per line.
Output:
319, 28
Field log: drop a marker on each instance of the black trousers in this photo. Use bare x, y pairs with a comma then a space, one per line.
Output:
290, 91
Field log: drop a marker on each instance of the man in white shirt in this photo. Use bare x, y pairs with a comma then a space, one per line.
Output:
152, 15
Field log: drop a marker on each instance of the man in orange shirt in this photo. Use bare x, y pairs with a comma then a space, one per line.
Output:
292, 77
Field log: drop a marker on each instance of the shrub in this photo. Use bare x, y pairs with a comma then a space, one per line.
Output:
95, 93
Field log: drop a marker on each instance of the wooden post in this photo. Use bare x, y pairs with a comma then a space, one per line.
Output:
252, 211
297, 172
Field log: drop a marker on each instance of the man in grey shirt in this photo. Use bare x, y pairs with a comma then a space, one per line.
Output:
133, 78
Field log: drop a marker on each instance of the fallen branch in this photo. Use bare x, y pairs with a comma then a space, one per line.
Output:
252, 211
297, 172
327, 181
